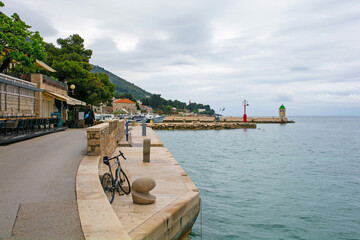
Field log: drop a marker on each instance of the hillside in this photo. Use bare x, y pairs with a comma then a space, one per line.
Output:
122, 86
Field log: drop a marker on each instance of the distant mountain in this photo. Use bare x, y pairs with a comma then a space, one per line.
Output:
122, 86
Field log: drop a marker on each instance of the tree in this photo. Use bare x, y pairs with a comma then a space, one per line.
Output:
167, 109
18, 44
155, 101
71, 62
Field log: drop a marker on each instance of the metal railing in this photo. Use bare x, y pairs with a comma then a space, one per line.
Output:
17, 80
52, 82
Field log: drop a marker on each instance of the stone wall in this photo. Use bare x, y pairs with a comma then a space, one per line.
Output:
200, 126
104, 138
16, 101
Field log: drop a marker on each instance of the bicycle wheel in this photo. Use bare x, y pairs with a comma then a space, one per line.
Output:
124, 183
107, 184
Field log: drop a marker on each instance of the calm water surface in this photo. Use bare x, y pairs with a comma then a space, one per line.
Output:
293, 181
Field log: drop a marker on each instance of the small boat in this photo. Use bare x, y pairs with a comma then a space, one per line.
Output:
154, 119
138, 118
103, 117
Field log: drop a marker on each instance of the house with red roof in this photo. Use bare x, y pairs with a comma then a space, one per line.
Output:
124, 105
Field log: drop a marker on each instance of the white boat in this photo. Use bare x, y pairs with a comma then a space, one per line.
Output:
154, 119
104, 117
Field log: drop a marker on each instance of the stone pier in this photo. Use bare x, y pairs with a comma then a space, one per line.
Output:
177, 202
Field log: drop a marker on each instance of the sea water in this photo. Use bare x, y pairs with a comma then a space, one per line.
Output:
278, 181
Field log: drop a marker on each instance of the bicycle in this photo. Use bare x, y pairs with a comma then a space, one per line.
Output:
109, 184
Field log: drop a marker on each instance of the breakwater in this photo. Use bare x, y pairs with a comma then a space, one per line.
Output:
206, 119
200, 126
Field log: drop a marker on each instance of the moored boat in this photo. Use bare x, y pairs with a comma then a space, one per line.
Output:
154, 119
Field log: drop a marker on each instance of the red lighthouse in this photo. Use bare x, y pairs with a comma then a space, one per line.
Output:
245, 105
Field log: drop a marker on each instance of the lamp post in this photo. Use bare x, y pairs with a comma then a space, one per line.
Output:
72, 87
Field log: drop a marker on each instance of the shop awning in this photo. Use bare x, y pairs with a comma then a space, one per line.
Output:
44, 66
67, 99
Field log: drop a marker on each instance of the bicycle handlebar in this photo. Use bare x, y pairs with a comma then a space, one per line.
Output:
106, 159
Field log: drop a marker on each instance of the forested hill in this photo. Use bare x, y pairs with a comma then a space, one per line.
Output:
122, 86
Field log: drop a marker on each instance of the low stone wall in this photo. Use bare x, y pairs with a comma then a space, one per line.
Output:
97, 217
258, 120
200, 126
104, 138
172, 119
188, 119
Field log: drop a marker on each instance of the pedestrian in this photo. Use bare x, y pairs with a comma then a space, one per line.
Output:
89, 116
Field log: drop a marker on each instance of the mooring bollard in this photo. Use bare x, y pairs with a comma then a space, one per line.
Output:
144, 127
146, 150
127, 130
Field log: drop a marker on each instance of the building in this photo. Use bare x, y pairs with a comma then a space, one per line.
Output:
146, 109
282, 113
124, 105
53, 99
103, 109
17, 96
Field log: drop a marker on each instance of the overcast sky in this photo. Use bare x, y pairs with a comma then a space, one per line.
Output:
304, 54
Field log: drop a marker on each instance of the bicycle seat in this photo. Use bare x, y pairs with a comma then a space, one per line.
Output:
106, 160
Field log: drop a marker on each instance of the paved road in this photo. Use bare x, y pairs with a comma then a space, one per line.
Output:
37, 187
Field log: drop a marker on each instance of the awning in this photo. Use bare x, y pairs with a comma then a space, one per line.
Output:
69, 100
44, 66
73, 101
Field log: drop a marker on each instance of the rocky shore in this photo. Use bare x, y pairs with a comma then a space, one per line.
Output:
200, 126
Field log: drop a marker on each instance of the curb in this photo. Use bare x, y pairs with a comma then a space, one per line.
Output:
97, 217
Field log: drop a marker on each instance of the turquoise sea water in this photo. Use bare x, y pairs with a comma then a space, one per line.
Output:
292, 181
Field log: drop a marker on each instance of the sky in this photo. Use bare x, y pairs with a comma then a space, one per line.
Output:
304, 54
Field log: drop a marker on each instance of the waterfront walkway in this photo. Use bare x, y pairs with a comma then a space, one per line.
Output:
37, 187
177, 198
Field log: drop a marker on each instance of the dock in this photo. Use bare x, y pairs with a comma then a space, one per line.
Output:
177, 202
200, 125
206, 119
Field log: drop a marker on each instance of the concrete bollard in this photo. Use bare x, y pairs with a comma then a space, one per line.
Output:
146, 150
144, 127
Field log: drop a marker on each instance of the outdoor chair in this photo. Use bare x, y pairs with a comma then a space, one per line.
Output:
2, 129
20, 125
10, 124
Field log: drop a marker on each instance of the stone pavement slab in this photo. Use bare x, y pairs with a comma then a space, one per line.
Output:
171, 184
137, 139
35, 219
8, 213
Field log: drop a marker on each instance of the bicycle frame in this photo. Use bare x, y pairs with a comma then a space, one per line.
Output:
117, 171
118, 180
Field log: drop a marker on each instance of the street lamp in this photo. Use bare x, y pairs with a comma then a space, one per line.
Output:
72, 87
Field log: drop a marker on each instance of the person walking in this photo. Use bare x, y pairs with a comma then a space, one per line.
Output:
89, 116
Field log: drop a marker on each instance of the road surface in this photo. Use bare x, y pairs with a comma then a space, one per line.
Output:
37, 187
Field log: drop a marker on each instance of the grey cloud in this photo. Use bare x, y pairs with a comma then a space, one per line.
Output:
284, 98
31, 17
291, 46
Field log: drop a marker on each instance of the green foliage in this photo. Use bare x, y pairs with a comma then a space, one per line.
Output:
122, 86
18, 44
156, 101
159, 103
167, 109
195, 107
125, 96
71, 62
